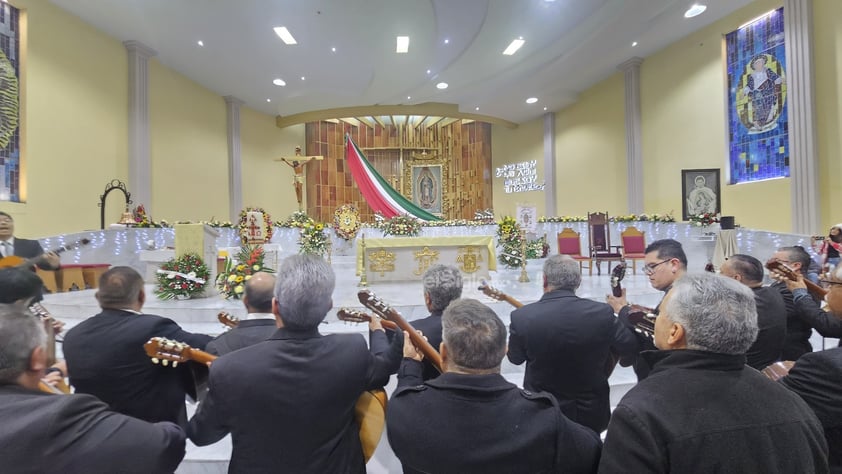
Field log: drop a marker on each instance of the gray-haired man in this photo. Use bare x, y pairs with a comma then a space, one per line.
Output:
442, 284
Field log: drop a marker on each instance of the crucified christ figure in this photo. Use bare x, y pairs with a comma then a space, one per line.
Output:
297, 164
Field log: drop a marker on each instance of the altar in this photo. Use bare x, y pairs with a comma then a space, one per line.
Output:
407, 258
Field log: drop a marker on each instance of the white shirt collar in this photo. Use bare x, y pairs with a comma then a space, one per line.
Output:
260, 316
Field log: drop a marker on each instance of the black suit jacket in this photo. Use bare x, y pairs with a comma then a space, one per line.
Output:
247, 333
27, 248
827, 324
105, 358
431, 328
771, 320
797, 331
45, 433
463, 424
565, 341
288, 402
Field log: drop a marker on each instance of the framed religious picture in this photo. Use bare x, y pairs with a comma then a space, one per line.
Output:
700, 191
427, 188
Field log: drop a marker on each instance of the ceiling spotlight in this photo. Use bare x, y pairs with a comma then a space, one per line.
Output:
531, 100
279, 82
302, 78
695, 10
409, 97
285, 35
514, 46
403, 44
429, 71
477, 108
441, 85
634, 43
333, 49
545, 108
447, 41
200, 43
268, 100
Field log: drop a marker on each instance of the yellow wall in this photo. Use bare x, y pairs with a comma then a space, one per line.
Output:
828, 69
74, 102
509, 146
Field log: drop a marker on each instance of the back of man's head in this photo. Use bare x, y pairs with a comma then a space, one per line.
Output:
718, 314
668, 249
260, 289
17, 284
474, 337
20, 334
119, 288
443, 284
562, 273
797, 254
303, 290
748, 267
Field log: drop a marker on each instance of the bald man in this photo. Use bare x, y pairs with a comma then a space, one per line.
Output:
258, 325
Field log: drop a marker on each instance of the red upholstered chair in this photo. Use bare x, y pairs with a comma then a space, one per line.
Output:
569, 244
601, 249
634, 246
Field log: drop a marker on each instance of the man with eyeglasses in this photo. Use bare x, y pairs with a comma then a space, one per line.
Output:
664, 263
828, 324
798, 327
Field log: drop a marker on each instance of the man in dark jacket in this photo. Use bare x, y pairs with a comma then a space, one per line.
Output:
442, 284
23, 248
105, 355
470, 419
807, 309
288, 402
48, 433
702, 409
798, 331
771, 310
259, 323
565, 341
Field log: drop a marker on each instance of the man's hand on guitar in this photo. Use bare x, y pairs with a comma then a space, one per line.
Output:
409, 349
375, 325
790, 284
617, 302
52, 259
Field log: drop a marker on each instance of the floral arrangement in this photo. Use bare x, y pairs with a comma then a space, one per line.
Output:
538, 248
456, 222
231, 281
625, 218
312, 239
704, 219
403, 226
182, 277
346, 221
243, 224
296, 219
509, 239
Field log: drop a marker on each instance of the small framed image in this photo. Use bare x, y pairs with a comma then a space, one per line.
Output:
700, 191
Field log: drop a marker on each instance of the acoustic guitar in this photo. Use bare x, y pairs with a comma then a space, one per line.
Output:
228, 319
380, 308
778, 370
790, 274
369, 411
353, 316
15, 261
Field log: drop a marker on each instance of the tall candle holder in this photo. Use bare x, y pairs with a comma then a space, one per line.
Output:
363, 278
524, 278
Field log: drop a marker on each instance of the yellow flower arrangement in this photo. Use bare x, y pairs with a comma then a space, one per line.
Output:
230, 282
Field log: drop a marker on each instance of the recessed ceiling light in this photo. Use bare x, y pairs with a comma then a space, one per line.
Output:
531, 100
279, 82
429, 71
200, 43
302, 78
447, 41
441, 85
514, 46
285, 35
409, 97
268, 100
545, 108
477, 108
333, 49
403, 44
634, 43
695, 10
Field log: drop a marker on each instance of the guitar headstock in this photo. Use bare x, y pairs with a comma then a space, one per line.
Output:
228, 319
39, 310
73, 245
490, 291
352, 316
372, 302
776, 265
164, 350
617, 275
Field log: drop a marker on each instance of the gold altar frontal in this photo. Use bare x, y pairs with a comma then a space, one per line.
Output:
407, 258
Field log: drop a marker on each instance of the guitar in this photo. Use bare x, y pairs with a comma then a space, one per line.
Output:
369, 411
643, 319
372, 302
228, 319
498, 295
778, 370
776, 265
617, 275
15, 261
352, 316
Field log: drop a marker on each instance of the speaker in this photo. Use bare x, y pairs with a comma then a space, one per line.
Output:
726, 222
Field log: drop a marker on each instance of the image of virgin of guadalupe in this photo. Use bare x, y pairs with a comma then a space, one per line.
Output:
763, 89
426, 186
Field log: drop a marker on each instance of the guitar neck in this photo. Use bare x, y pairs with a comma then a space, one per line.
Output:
512, 301
815, 289
430, 353
200, 356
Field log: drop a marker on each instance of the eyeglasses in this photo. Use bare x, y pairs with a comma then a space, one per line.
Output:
649, 268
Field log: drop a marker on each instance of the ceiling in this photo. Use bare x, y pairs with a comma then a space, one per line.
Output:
570, 45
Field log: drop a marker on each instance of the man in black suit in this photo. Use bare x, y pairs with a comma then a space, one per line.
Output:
771, 310
798, 330
288, 402
566, 342
24, 248
258, 325
470, 419
807, 309
48, 433
105, 354
442, 284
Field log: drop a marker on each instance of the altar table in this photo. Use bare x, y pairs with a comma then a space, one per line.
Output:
407, 258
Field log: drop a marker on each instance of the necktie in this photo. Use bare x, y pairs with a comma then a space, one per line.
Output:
7, 249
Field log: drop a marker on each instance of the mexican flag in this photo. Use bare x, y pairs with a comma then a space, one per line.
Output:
376, 191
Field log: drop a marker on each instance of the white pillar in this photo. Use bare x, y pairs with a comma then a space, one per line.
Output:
549, 165
634, 137
235, 181
140, 175
803, 163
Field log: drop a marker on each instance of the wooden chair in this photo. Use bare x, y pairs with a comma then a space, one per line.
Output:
601, 249
634, 246
569, 244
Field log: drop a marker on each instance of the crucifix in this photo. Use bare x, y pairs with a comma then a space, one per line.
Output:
297, 164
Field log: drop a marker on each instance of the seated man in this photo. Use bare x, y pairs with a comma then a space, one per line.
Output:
288, 402
565, 341
470, 419
258, 325
442, 284
47, 433
106, 359
701, 409
771, 310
